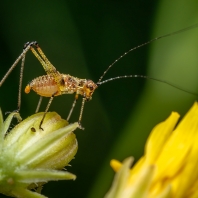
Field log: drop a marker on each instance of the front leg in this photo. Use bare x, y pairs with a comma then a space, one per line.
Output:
46, 110
72, 108
81, 112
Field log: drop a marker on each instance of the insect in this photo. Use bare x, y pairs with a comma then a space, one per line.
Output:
55, 83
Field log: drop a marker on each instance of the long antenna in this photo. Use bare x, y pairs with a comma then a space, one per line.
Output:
139, 46
147, 77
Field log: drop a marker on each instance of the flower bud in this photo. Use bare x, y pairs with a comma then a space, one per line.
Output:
31, 156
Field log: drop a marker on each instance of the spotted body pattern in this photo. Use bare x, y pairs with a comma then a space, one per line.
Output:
48, 86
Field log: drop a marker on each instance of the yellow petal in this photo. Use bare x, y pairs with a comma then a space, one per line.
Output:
140, 188
177, 148
159, 137
115, 165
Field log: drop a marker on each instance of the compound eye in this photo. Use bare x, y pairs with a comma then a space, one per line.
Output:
90, 87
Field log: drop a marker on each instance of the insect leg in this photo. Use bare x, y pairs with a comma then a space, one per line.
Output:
48, 67
21, 56
20, 83
72, 108
46, 110
39, 104
39, 58
81, 112
14, 64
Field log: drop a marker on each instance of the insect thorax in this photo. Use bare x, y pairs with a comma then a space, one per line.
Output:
82, 87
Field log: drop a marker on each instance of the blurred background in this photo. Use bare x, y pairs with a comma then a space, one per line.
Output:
82, 38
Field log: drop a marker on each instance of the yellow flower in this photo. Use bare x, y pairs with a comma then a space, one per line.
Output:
169, 167
30, 157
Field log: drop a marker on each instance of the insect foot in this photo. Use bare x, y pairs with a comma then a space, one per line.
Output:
80, 126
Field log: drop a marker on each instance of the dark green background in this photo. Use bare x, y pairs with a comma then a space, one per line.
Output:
82, 38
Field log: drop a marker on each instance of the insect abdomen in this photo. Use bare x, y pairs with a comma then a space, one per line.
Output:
44, 86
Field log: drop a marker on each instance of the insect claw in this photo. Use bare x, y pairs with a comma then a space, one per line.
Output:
41, 128
15, 111
15, 114
80, 126
26, 44
36, 44
30, 44
41, 125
